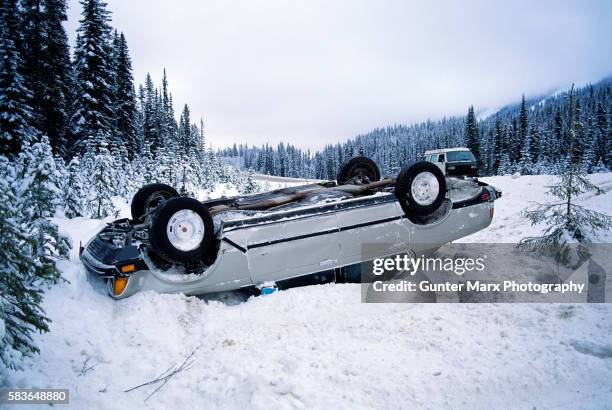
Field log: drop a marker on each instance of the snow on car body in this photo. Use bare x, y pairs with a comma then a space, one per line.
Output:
280, 244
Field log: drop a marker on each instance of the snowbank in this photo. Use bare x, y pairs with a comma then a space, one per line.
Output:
320, 347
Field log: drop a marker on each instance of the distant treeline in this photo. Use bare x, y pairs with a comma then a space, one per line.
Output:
530, 138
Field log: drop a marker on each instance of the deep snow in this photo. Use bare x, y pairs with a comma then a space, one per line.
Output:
321, 347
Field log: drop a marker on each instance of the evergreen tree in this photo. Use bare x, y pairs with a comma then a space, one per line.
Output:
21, 313
93, 105
558, 134
568, 222
99, 167
471, 136
250, 186
590, 142
513, 141
15, 113
579, 138
167, 108
187, 177
499, 146
47, 68
534, 143
523, 125
525, 166
150, 131
202, 137
74, 192
124, 96
185, 137
603, 135
39, 195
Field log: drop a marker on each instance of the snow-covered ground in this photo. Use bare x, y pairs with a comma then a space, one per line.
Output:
320, 347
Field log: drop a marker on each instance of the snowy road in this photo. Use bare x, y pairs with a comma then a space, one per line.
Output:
319, 347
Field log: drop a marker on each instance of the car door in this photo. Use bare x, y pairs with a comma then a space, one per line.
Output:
441, 162
293, 247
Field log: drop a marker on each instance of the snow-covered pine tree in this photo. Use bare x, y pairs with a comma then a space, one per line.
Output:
151, 134
588, 159
185, 137
250, 186
568, 223
168, 121
93, 77
471, 136
499, 146
20, 295
144, 166
121, 162
99, 167
525, 166
558, 143
47, 68
523, 124
15, 113
534, 142
39, 196
124, 95
603, 137
188, 177
60, 166
73, 195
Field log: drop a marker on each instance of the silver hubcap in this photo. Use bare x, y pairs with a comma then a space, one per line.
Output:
185, 230
425, 188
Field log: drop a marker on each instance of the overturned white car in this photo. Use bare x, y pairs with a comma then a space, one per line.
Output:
179, 244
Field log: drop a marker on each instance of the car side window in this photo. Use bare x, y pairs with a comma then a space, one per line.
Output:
441, 158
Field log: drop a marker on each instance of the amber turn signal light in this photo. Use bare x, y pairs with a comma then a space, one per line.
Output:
128, 268
119, 285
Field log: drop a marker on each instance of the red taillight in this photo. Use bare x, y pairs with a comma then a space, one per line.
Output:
485, 196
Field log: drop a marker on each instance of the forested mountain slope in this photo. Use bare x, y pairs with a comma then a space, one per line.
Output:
529, 137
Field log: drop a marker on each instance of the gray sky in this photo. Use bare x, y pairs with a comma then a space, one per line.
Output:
315, 72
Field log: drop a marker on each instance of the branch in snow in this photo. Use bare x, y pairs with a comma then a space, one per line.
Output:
168, 374
85, 369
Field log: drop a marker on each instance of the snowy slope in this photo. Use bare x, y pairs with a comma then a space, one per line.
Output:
319, 347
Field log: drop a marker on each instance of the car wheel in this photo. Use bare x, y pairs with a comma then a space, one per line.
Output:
149, 197
420, 188
362, 168
182, 231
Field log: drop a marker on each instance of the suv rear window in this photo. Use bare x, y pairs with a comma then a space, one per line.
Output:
460, 156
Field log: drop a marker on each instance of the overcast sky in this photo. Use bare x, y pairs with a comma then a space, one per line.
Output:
315, 72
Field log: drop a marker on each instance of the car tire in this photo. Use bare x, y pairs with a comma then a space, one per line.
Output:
149, 197
358, 166
420, 188
182, 231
